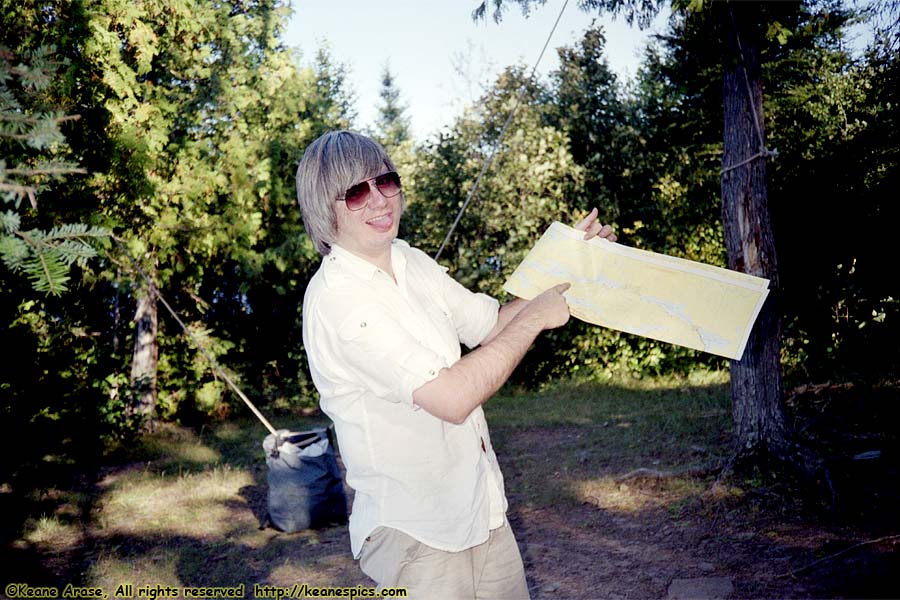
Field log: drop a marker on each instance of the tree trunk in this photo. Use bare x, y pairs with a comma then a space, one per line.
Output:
756, 385
146, 356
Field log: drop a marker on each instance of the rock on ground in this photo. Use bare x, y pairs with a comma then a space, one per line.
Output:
700, 588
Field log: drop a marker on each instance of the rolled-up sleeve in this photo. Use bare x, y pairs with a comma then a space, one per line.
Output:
383, 356
474, 314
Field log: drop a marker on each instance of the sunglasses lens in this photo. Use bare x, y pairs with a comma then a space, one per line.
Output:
388, 184
356, 195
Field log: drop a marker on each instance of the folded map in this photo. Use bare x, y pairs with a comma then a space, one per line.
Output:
653, 295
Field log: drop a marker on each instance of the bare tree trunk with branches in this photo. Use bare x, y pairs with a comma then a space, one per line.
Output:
756, 384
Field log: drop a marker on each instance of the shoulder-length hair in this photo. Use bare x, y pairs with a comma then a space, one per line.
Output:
331, 164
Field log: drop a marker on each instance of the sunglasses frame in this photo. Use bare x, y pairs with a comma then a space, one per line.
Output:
369, 183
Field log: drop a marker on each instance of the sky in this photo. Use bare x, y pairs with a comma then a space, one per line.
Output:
439, 57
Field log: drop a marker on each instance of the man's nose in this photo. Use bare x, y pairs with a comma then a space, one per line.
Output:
375, 195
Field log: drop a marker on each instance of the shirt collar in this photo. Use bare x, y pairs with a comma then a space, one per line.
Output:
341, 262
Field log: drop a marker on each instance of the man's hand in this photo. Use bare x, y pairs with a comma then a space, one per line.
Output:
594, 228
550, 308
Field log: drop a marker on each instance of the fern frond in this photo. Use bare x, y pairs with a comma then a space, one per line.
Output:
10, 221
74, 231
14, 252
46, 258
47, 272
54, 168
8, 102
45, 133
75, 251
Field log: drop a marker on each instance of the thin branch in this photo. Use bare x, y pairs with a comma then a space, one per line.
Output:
16, 136
18, 189
30, 240
836, 554
12, 117
22, 190
46, 171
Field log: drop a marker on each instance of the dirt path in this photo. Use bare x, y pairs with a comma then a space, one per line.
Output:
714, 546
590, 553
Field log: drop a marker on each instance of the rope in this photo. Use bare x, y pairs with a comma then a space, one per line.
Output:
471, 195
763, 151
490, 157
197, 343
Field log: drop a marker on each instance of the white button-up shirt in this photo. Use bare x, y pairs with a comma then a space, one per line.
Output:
371, 343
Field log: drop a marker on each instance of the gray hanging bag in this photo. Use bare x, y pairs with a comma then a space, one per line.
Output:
305, 487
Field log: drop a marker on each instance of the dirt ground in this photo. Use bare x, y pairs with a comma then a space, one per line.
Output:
739, 534
589, 527
593, 553
709, 536
716, 545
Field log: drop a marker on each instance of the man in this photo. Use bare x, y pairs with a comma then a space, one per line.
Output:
382, 327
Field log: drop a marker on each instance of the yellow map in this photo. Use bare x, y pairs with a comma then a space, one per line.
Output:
653, 295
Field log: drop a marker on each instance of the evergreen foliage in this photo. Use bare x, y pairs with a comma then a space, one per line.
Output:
392, 127
193, 118
32, 156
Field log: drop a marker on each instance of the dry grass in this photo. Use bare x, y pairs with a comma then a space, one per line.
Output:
183, 508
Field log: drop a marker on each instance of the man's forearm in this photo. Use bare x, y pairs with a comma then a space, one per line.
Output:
507, 312
457, 391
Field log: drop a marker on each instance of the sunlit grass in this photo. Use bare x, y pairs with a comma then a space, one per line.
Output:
51, 532
184, 511
182, 507
190, 504
315, 573
635, 496
174, 446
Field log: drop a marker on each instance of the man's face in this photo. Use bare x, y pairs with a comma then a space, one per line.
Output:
369, 231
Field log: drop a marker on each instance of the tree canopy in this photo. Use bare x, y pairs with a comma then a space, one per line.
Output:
193, 116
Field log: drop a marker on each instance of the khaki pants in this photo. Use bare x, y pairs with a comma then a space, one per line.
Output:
490, 571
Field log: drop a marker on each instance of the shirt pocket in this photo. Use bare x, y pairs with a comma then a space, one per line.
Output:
384, 357
441, 320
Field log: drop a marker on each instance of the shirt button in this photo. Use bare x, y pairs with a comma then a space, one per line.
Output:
363, 324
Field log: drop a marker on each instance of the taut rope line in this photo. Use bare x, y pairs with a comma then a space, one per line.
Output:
490, 157
209, 357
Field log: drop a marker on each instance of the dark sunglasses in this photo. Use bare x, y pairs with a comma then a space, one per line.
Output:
357, 196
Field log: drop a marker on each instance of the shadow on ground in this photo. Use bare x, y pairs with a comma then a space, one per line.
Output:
613, 503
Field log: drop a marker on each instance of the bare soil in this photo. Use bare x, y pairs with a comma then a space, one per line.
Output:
763, 541
587, 529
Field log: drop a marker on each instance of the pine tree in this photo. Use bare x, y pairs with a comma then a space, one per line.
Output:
392, 124
32, 155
